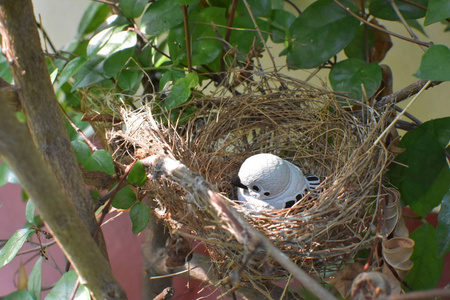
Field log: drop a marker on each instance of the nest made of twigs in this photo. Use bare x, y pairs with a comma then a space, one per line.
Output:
322, 134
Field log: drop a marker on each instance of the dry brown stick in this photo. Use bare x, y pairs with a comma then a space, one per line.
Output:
405, 93
36, 177
21, 46
236, 224
187, 37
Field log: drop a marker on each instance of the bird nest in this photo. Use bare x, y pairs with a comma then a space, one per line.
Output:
333, 138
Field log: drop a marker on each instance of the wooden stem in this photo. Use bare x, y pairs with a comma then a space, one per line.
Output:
60, 216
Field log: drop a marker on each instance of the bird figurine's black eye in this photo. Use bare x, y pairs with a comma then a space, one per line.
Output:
255, 188
266, 194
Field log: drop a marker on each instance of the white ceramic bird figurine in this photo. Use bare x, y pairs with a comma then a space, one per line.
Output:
267, 181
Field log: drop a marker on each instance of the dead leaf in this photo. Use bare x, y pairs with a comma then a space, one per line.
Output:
386, 86
22, 282
342, 280
370, 285
391, 212
397, 253
382, 44
396, 286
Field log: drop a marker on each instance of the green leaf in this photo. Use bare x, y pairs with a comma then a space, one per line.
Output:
30, 210
132, 8
437, 10
443, 228
91, 73
319, 33
111, 40
170, 76
100, 160
71, 69
6, 175
161, 16
117, 61
181, 90
64, 288
13, 245
35, 280
139, 215
137, 175
435, 64
428, 267
81, 149
124, 198
279, 25
19, 295
259, 8
357, 47
244, 38
349, 75
5, 70
129, 81
205, 45
93, 16
383, 10
422, 174
416, 25
101, 47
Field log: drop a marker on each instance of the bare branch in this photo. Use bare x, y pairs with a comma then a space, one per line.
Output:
405, 93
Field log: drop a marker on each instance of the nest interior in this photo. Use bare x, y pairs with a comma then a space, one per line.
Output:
322, 134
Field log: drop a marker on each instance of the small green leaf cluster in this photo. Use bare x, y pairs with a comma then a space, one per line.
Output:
125, 198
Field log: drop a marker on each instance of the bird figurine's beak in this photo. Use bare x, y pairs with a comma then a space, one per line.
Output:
236, 181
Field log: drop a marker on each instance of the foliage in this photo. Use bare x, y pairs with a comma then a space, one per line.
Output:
138, 47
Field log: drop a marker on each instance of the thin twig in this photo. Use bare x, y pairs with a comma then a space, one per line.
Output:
407, 114
380, 28
401, 113
230, 20
261, 37
75, 288
294, 6
403, 21
110, 195
187, 37
78, 130
35, 249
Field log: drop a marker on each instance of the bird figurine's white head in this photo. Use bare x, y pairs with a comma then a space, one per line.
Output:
267, 181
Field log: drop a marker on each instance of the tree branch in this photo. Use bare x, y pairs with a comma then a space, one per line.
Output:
22, 156
405, 93
21, 46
